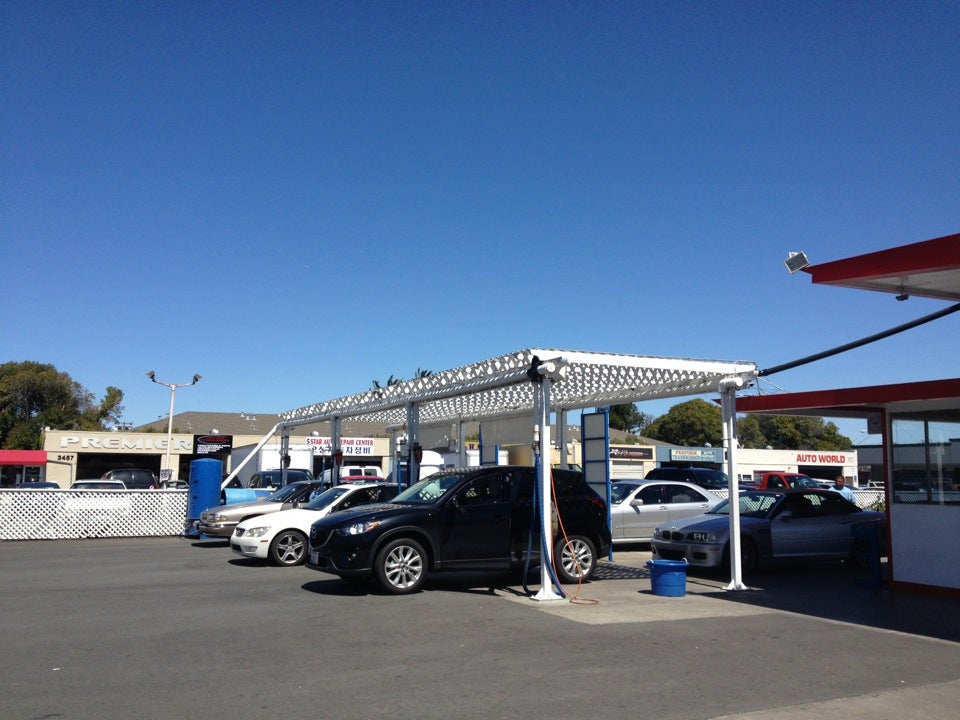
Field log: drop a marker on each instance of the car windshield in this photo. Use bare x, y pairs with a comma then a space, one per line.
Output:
620, 491
751, 504
319, 502
285, 492
802, 481
429, 490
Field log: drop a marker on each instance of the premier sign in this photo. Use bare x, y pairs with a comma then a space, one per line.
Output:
121, 443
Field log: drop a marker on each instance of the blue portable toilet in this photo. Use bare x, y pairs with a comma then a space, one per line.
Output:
205, 478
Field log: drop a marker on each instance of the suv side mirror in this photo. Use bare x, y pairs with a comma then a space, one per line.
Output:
636, 502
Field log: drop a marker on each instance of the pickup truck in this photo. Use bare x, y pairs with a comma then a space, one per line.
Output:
777, 480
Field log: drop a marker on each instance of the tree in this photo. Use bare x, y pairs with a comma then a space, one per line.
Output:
698, 422
791, 432
390, 381
34, 395
693, 423
397, 380
628, 418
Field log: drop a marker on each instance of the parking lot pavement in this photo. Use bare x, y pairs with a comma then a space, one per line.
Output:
161, 628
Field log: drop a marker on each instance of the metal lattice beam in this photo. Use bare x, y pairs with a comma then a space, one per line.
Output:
499, 387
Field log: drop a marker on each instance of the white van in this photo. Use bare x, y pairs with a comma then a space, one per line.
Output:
371, 471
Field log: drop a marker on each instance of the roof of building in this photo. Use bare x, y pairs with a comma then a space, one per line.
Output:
930, 268
225, 423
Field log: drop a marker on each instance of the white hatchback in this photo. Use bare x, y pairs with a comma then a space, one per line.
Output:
281, 537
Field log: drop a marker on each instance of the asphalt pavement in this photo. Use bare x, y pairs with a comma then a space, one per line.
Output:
171, 628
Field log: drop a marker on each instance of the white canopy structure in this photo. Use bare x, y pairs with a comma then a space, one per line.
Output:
538, 382
501, 387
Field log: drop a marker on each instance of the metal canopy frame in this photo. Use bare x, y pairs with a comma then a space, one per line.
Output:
501, 387
537, 382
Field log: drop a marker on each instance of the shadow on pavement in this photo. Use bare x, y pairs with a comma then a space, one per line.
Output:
834, 591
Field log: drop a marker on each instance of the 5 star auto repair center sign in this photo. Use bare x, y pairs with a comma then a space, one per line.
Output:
357, 447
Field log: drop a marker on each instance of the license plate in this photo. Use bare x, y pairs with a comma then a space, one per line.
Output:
314, 557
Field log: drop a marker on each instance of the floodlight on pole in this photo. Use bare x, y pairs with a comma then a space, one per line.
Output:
173, 392
796, 261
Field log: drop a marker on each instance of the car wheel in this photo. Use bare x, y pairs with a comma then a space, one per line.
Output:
401, 566
749, 556
574, 558
288, 548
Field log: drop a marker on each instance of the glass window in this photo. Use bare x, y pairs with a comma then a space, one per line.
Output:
926, 461
681, 494
651, 495
484, 490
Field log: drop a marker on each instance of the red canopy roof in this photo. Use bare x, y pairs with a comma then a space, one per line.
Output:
23, 457
927, 269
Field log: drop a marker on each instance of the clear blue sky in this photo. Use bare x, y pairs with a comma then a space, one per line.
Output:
294, 199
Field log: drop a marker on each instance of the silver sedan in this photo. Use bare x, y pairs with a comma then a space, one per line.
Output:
639, 506
774, 525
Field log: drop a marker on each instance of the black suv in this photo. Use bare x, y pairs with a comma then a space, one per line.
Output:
462, 519
704, 477
133, 478
272, 478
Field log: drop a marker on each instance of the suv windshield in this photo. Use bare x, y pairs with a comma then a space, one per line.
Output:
325, 498
620, 490
283, 493
430, 489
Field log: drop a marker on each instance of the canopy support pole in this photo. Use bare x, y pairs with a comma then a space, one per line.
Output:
728, 410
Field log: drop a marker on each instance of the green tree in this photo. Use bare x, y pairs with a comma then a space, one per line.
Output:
628, 418
693, 423
791, 432
698, 422
35, 395
390, 381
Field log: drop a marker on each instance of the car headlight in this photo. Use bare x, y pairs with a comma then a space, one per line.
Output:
213, 518
358, 528
256, 532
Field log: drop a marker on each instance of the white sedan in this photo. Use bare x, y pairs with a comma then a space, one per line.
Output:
639, 506
281, 537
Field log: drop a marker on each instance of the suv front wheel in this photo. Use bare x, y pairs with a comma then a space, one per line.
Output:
575, 559
401, 566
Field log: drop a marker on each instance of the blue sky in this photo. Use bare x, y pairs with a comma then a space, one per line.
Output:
294, 199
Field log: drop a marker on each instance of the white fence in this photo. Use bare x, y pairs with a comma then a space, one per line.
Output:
70, 514
866, 499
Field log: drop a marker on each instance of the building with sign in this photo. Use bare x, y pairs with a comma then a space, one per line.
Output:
70, 455
918, 460
21, 466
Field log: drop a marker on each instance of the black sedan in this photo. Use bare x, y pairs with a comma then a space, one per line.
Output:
805, 523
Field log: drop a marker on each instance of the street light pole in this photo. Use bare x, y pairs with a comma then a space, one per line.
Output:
173, 392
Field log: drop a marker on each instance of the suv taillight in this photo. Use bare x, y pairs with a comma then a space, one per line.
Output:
599, 503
